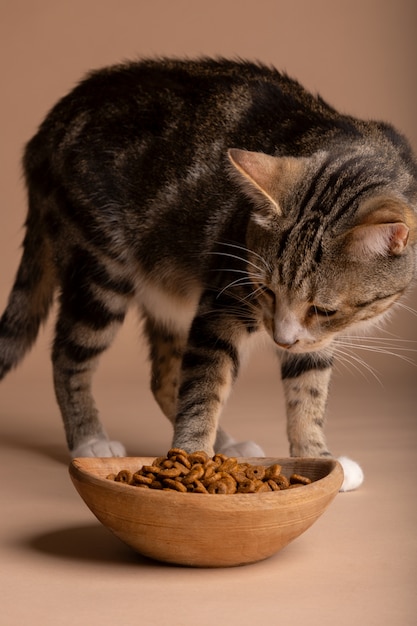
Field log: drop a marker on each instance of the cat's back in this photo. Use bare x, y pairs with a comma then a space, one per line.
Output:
170, 122
183, 79
158, 96
170, 114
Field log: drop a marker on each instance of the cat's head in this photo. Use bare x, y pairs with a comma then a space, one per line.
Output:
332, 240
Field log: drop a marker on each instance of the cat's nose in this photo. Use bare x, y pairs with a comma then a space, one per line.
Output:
287, 330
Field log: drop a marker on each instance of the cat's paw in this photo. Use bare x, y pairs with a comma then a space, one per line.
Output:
226, 444
98, 447
242, 449
353, 474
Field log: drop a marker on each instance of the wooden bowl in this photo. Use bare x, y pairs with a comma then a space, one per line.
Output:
206, 530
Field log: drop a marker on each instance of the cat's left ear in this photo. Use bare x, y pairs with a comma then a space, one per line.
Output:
385, 230
265, 179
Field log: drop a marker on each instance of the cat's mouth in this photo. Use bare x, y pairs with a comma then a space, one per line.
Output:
300, 345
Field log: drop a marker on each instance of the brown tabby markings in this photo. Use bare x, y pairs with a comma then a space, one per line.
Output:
225, 202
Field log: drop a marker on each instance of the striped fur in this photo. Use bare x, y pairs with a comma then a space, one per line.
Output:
224, 201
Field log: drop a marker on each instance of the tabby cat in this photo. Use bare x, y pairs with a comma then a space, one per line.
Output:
224, 201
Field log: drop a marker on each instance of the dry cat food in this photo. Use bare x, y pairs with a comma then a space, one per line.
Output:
198, 473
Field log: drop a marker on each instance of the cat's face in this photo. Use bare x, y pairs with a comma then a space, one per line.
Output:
336, 298
315, 275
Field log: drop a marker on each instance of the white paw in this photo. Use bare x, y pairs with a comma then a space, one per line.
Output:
353, 474
99, 447
242, 449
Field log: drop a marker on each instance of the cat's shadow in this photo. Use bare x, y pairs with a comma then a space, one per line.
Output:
59, 452
55, 452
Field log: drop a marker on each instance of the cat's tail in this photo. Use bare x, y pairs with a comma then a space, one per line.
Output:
31, 296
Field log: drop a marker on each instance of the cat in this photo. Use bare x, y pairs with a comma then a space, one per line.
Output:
224, 201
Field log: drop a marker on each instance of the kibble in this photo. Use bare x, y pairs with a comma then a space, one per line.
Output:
198, 473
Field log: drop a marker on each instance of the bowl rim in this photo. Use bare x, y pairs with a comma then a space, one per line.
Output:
79, 472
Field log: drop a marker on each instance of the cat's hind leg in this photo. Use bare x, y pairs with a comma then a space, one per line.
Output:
166, 352
166, 348
92, 309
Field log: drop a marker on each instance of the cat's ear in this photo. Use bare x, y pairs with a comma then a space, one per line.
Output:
265, 179
379, 239
383, 231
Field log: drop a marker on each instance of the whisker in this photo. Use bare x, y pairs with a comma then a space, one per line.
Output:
407, 308
252, 294
373, 338
243, 316
235, 256
251, 276
256, 254
384, 350
386, 346
240, 299
345, 357
235, 271
383, 342
241, 282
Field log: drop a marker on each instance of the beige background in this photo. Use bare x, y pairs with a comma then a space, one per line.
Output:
358, 564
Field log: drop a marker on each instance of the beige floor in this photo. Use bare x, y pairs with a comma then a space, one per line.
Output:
356, 565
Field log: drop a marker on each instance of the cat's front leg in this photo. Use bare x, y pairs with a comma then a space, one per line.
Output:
209, 367
306, 380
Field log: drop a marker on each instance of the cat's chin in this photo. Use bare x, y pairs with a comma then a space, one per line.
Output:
98, 447
353, 474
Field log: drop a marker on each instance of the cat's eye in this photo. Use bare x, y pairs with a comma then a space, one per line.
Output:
320, 312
